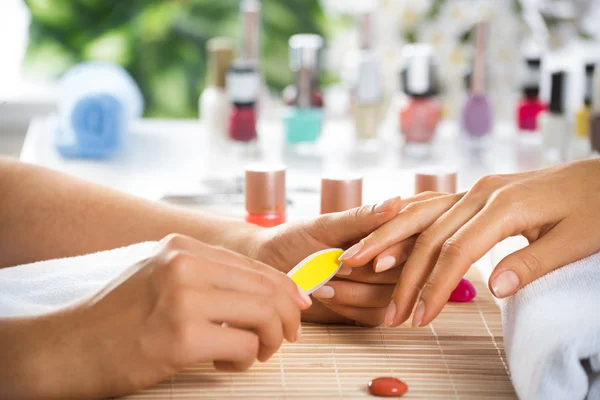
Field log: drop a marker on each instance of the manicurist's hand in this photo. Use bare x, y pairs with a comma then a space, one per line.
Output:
189, 303
356, 295
556, 209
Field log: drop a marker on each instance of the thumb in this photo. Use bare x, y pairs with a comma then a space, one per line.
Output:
530, 263
340, 228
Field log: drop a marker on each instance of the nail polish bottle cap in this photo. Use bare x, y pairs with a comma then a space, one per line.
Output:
364, 30
305, 53
265, 189
419, 72
340, 193
220, 54
531, 78
478, 76
589, 82
250, 13
557, 90
435, 179
243, 82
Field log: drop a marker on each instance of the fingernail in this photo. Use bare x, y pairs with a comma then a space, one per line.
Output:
344, 271
383, 207
305, 297
351, 252
418, 315
505, 284
324, 292
299, 332
390, 314
385, 263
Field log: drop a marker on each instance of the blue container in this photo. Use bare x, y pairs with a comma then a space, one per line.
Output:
302, 125
97, 102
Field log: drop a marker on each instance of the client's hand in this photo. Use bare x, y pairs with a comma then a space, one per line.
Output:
357, 295
556, 209
188, 303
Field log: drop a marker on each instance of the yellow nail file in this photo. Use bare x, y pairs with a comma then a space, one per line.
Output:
316, 270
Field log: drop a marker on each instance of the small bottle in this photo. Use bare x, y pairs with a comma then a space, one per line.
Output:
595, 112
435, 179
553, 123
367, 96
421, 114
250, 20
304, 118
530, 104
214, 103
582, 116
477, 111
265, 195
243, 87
340, 194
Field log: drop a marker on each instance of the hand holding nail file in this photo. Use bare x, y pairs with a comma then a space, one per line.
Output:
316, 270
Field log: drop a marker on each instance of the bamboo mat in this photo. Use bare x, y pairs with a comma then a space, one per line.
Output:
459, 356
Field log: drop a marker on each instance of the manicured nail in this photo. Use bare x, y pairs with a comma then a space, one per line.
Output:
385, 263
305, 297
299, 333
344, 271
505, 284
418, 315
351, 252
383, 207
324, 292
390, 314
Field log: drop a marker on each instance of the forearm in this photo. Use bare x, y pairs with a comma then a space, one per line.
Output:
44, 215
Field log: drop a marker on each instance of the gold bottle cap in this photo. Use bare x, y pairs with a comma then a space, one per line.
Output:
435, 180
340, 194
265, 189
220, 51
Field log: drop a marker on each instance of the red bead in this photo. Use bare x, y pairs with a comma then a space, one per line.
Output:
464, 292
387, 387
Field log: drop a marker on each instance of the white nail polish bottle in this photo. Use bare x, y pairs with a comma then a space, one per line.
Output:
553, 123
214, 103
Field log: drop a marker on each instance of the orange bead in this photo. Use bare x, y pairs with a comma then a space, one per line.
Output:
387, 387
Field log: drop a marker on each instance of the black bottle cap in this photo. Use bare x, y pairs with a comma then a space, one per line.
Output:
534, 62
531, 85
557, 103
589, 78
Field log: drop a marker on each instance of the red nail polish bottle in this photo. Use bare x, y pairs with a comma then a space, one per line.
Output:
530, 105
265, 195
243, 84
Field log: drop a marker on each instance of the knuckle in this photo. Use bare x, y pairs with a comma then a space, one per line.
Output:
425, 240
266, 308
487, 183
176, 269
372, 319
270, 288
453, 249
250, 346
531, 265
174, 241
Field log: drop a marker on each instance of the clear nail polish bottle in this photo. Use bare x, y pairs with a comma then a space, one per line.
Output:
367, 96
553, 123
581, 144
477, 111
422, 112
304, 117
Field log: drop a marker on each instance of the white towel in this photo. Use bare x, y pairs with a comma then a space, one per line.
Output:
552, 334
45, 286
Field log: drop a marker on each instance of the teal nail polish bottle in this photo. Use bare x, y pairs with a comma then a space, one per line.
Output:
304, 116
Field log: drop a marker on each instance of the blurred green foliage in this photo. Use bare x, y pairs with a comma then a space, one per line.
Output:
161, 42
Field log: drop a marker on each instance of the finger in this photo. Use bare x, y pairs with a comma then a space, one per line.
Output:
413, 219
367, 275
362, 316
559, 247
425, 254
320, 314
231, 348
177, 242
256, 313
354, 294
394, 256
497, 221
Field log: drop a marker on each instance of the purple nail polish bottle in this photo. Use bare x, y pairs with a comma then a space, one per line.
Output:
477, 111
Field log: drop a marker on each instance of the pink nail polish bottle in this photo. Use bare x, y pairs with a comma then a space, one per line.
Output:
530, 104
340, 194
477, 111
265, 195
421, 114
